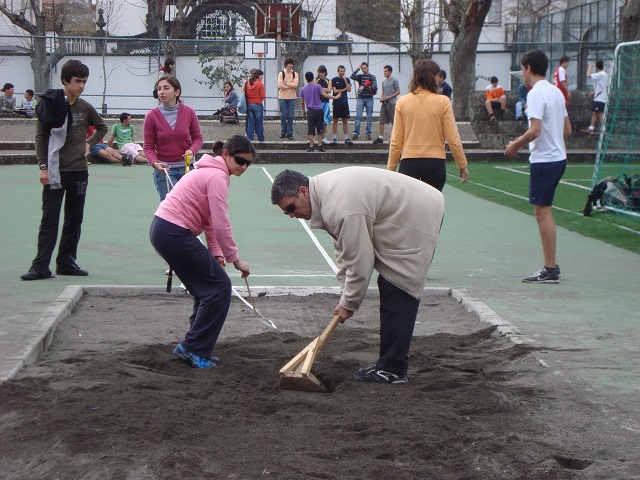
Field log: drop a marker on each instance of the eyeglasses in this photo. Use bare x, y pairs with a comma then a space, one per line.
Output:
242, 161
289, 209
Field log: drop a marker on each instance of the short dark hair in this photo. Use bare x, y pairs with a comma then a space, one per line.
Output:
7, 86
124, 116
494, 79
564, 58
288, 61
286, 184
537, 60
322, 69
340, 66
73, 68
309, 77
443, 74
30, 92
599, 64
389, 67
365, 63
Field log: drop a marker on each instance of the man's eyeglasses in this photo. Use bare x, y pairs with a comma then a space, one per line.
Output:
242, 161
289, 209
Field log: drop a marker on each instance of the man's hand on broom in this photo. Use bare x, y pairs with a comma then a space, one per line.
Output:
343, 312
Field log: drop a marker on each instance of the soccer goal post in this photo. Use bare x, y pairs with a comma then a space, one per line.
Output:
619, 142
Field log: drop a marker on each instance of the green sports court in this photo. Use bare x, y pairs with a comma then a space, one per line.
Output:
591, 317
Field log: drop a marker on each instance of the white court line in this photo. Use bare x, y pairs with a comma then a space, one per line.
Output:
554, 207
527, 173
314, 239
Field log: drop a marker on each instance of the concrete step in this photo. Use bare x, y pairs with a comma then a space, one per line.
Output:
260, 146
338, 155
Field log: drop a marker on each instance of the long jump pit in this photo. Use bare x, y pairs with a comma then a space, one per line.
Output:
99, 395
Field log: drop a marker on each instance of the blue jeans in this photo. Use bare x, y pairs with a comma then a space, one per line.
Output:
286, 116
254, 121
361, 104
160, 180
203, 276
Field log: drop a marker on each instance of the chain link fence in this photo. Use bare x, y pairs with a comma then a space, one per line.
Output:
123, 71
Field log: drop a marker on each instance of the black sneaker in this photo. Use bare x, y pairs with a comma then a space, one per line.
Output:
73, 270
290, 137
33, 275
348, 141
335, 141
544, 275
310, 149
374, 374
320, 149
355, 136
378, 140
282, 135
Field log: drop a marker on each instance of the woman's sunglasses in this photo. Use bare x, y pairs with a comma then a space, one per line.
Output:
242, 161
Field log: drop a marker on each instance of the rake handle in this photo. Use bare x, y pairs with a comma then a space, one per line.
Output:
322, 339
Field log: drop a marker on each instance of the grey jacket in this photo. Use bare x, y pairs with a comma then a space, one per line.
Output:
379, 220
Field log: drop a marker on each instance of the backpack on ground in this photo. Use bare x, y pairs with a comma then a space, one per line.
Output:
229, 117
622, 191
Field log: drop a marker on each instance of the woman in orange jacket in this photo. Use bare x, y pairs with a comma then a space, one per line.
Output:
423, 121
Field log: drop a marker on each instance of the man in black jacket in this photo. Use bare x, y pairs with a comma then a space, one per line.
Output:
62, 149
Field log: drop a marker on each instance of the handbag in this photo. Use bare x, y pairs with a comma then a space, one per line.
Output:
242, 103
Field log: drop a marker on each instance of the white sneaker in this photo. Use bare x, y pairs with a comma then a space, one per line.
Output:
326, 141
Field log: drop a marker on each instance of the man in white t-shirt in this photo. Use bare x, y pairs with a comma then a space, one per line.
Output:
548, 125
600, 85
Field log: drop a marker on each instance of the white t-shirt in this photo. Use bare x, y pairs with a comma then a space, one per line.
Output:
547, 104
600, 84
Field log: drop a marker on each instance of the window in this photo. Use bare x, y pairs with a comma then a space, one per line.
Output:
494, 17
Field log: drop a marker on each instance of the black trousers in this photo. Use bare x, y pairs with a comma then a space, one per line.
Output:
74, 193
430, 170
203, 276
398, 312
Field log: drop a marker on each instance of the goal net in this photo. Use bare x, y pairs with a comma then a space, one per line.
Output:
619, 142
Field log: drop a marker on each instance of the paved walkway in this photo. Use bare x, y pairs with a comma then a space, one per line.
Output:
591, 320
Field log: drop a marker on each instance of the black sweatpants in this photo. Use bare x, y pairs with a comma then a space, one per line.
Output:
431, 171
74, 192
202, 275
398, 312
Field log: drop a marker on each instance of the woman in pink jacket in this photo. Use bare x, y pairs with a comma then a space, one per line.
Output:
171, 132
174, 235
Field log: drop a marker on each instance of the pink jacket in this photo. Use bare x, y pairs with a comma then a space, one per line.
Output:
198, 202
166, 144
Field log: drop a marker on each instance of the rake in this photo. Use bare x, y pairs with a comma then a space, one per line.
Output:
296, 375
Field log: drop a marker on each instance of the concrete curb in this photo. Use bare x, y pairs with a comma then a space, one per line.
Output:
40, 336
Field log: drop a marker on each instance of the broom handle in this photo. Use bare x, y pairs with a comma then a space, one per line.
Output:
322, 339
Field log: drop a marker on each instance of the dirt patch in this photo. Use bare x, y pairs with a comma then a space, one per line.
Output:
108, 401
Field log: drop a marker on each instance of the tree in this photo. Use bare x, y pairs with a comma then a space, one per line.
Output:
300, 51
226, 68
465, 19
33, 19
630, 21
413, 14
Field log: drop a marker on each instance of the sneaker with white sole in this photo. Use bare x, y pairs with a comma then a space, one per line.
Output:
544, 275
376, 375
195, 360
326, 141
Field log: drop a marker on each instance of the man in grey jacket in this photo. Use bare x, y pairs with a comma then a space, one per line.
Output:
378, 220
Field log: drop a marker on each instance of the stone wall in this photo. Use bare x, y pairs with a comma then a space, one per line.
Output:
495, 135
